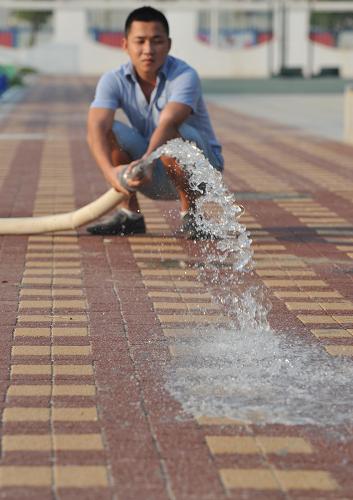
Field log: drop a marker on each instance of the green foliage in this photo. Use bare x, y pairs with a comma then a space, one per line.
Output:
36, 19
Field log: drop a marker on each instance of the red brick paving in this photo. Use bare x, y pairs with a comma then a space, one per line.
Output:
151, 448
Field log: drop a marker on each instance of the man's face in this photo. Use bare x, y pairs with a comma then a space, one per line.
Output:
148, 45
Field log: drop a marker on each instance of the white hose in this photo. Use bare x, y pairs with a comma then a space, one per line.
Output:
62, 222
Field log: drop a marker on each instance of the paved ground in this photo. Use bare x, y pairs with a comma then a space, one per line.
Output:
87, 324
320, 114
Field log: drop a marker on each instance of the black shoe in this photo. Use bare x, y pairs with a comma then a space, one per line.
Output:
120, 224
192, 230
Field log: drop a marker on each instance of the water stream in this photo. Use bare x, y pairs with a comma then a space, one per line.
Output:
243, 369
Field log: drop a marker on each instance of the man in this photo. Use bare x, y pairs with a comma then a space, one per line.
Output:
162, 99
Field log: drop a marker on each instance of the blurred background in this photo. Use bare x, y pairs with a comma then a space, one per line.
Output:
239, 47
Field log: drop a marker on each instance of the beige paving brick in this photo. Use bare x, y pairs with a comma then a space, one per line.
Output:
69, 318
343, 319
345, 248
75, 442
190, 318
22, 476
339, 350
76, 370
322, 220
66, 254
39, 246
306, 480
267, 247
30, 350
178, 332
330, 332
30, 369
172, 284
67, 264
70, 304
158, 227
232, 444
291, 282
31, 332
19, 414
284, 273
36, 281
71, 350
287, 261
74, 390
283, 445
186, 306
161, 246
252, 479
66, 239
69, 332
312, 294
29, 390
88, 476
337, 306
171, 295
257, 444
67, 281
199, 295
36, 238
160, 255
169, 272
219, 421
302, 306
26, 442
34, 318
74, 292
38, 272
146, 239
67, 246
25, 292
319, 318
35, 255
83, 414
64, 271
170, 305
332, 223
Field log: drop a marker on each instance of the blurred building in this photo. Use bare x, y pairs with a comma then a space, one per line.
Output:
225, 38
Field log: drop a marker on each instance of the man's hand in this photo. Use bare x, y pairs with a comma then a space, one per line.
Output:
134, 182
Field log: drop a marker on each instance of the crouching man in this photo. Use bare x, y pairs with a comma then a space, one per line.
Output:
162, 99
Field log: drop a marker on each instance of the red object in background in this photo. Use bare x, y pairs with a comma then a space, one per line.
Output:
325, 38
264, 37
6, 39
112, 39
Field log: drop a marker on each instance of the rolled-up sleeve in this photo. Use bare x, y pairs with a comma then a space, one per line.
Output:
185, 88
108, 92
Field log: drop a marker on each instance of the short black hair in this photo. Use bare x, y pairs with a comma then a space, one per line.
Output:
146, 14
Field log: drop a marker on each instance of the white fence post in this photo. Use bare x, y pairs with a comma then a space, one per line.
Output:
348, 114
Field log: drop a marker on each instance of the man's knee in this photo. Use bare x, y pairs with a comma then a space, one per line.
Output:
130, 140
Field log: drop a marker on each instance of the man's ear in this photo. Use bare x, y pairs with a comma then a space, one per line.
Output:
124, 44
170, 44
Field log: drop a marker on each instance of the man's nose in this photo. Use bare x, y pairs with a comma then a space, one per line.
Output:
148, 47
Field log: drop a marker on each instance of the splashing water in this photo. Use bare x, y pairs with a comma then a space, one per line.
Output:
227, 256
246, 371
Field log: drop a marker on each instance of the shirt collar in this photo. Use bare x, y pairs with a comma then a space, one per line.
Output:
130, 72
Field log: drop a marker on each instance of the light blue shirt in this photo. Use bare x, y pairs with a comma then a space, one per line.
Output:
176, 82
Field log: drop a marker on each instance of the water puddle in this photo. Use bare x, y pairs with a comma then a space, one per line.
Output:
242, 369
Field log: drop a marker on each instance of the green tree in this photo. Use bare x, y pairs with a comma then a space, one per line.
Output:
36, 19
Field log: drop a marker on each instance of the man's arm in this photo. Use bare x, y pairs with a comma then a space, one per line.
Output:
170, 119
99, 127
